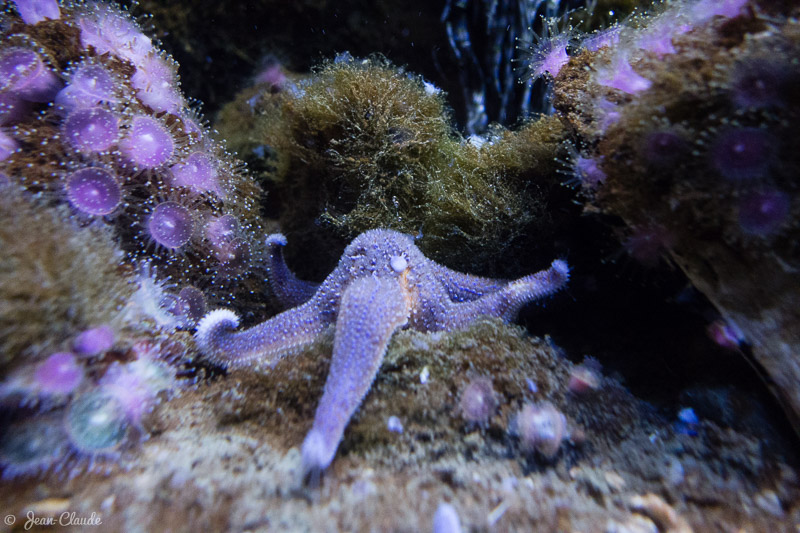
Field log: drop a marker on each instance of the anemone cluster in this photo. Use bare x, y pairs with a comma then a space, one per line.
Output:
119, 218
81, 422
92, 116
77, 325
683, 124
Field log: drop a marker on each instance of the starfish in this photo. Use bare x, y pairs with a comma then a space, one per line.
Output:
382, 283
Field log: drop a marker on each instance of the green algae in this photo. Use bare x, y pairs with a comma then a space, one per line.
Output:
361, 144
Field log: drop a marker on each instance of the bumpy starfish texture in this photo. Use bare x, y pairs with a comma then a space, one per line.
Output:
382, 283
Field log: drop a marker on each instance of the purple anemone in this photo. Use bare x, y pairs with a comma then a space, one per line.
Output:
59, 374
541, 427
35, 11
647, 243
148, 143
89, 86
760, 83
156, 85
234, 256
621, 76
25, 75
762, 213
94, 129
12, 108
742, 153
549, 56
588, 172
109, 31
193, 302
220, 230
188, 306
93, 191
94, 341
602, 39
171, 225
7, 145
197, 173
707, 9
663, 147
478, 401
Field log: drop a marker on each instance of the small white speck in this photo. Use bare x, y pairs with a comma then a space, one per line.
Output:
107, 505
688, 416
424, 375
394, 424
446, 519
497, 513
398, 263
769, 502
431, 89
476, 140
675, 472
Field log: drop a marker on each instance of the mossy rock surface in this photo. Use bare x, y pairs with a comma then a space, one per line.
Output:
362, 144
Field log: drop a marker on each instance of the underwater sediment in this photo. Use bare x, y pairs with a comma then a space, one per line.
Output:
618, 405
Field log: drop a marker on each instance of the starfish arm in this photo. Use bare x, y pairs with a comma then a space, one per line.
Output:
370, 311
506, 302
289, 290
465, 287
265, 343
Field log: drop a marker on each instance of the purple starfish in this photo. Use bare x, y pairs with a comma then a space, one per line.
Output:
382, 283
